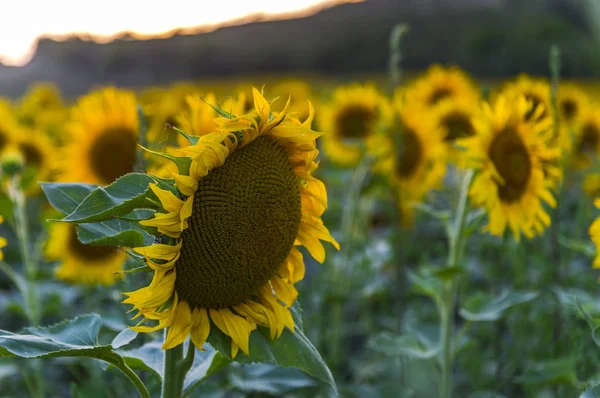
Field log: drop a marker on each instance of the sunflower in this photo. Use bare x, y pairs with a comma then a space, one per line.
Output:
161, 107
81, 263
10, 128
439, 83
227, 256
535, 90
354, 116
412, 155
38, 155
198, 116
103, 134
456, 118
299, 91
586, 148
512, 160
42, 108
572, 103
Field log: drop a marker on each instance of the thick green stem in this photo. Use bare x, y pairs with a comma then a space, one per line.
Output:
176, 367
456, 243
170, 385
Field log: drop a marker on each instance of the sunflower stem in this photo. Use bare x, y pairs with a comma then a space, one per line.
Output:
341, 274
456, 245
172, 383
28, 287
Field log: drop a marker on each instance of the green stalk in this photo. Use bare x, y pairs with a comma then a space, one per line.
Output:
28, 288
175, 368
22, 231
344, 269
118, 362
456, 245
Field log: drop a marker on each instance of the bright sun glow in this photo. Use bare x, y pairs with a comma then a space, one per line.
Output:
24, 21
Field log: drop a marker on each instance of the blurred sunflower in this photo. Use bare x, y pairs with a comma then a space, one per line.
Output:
299, 91
439, 83
162, 107
572, 103
412, 155
103, 134
353, 116
38, 153
535, 90
42, 108
198, 116
229, 233
456, 118
510, 155
81, 263
10, 128
586, 146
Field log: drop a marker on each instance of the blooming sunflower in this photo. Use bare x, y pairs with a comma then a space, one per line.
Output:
42, 107
512, 159
572, 103
412, 155
439, 83
103, 134
162, 107
534, 90
586, 148
353, 116
456, 118
227, 256
198, 116
10, 128
81, 263
38, 154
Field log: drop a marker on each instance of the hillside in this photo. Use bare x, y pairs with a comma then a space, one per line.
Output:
491, 38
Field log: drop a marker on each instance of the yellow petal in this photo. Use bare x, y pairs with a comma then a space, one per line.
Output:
169, 201
180, 326
262, 107
234, 326
200, 327
159, 251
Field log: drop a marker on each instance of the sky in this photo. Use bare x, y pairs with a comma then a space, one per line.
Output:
23, 21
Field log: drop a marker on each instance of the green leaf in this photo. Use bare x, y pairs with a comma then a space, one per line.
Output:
484, 307
114, 232
411, 345
125, 337
205, 364
138, 214
65, 197
591, 392
292, 350
115, 200
148, 357
449, 273
552, 372
424, 284
76, 337
192, 139
270, 379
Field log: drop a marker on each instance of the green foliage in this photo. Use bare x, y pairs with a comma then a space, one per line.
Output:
289, 350
485, 307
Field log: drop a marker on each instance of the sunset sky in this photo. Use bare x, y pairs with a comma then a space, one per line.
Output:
23, 21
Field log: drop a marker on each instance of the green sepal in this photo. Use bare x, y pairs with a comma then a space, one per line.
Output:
183, 163
192, 139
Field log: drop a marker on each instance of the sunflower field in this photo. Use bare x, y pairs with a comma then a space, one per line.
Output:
422, 234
